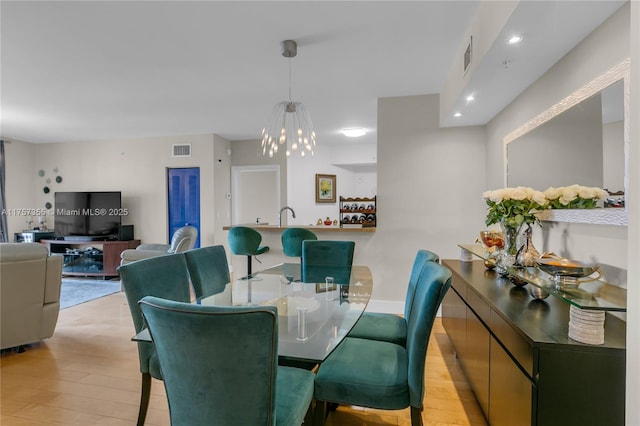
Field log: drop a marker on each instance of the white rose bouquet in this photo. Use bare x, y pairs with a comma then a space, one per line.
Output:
513, 206
574, 197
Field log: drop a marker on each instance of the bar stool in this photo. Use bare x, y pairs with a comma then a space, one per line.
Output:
246, 241
292, 239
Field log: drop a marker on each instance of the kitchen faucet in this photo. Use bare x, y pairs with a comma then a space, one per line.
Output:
293, 214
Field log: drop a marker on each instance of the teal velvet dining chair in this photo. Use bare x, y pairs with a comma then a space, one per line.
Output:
162, 276
292, 239
246, 241
208, 269
384, 375
389, 327
220, 365
324, 258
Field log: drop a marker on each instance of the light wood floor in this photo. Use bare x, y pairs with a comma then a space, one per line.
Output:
87, 374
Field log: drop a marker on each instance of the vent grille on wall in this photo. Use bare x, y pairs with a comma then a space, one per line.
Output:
183, 150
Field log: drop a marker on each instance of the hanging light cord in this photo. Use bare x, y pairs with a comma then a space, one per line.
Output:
290, 99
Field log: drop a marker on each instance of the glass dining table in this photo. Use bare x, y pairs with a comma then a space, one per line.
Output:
313, 318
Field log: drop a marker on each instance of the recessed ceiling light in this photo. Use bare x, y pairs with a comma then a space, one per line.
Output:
457, 114
354, 133
470, 98
514, 39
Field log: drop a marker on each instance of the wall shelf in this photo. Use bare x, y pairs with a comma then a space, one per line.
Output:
601, 216
358, 212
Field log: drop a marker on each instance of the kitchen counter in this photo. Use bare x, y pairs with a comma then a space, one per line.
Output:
313, 228
272, 238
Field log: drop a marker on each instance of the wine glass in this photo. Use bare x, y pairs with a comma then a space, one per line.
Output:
491, 239
493, 242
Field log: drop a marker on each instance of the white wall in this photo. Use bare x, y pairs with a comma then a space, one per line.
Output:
633, 208
137, 167
21, 188
430, 184
356, 182
221, 187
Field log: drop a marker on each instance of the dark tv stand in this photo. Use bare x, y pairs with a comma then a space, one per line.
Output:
83, 238
78, 261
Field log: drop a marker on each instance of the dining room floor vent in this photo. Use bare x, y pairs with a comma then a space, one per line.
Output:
182, 150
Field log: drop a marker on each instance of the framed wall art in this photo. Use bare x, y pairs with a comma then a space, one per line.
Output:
325, 188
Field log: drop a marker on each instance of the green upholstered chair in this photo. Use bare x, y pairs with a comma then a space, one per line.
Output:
246, 241
162, 276
208, 269
323, 258
220, 365
383, 375
389, 327
292, 239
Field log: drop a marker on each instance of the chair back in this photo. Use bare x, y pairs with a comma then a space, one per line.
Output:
292, 239
218, 363
422, 256
208, 269
244, 240
162, 276
322, 258
432, 285
183, 239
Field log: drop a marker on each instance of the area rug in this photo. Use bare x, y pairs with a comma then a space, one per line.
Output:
77, 290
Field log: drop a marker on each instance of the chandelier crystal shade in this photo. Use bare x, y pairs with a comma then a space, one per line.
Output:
290, 124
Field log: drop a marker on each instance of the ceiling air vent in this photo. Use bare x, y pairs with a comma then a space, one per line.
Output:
467, 54
181, 150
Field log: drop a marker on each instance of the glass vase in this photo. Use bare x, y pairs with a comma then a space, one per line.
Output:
527, 253
507, 256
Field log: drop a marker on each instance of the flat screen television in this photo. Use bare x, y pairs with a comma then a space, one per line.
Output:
90, 215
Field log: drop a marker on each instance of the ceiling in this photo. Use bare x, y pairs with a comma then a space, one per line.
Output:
84, 71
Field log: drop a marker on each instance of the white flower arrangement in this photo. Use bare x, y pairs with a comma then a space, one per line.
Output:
574, 197
515, 206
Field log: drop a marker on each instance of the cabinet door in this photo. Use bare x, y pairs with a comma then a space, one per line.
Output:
511, 392
476, 359
454, 318
581, 387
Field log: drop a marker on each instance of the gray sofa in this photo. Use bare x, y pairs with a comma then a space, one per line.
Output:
183, 239
30, 281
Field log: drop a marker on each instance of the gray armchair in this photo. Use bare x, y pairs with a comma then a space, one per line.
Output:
183, 239
30, 282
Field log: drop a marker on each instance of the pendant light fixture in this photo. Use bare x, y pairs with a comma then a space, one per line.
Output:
290, 124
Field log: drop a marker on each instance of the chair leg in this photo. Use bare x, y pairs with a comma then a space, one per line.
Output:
144, 398
248, 265
319, 413
416, 416
309, 420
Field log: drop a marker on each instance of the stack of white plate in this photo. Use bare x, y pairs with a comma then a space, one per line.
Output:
586, 326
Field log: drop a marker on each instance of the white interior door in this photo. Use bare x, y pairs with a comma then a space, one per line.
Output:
255, 193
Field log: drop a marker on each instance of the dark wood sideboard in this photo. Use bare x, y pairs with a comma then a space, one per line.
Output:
517, 356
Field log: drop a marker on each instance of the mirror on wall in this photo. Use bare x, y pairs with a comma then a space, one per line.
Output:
580, 140
583, 145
